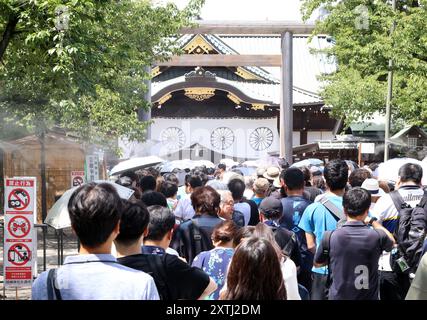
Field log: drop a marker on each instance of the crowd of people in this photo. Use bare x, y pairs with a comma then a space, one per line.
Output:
287, 233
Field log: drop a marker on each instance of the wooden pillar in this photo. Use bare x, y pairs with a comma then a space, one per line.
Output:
286, 103
303, 137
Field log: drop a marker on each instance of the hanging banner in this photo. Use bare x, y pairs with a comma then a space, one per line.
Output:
92, 168
77, 178
20, 242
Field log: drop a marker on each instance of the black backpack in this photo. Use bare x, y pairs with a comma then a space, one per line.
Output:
409, 234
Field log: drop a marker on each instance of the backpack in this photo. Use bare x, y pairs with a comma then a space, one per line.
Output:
156, 264
292, 242
410, 233
53, 292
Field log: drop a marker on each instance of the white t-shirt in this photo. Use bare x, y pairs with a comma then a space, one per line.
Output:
387, 214
289, 271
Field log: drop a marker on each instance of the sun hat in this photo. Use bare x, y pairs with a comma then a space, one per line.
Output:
272, 174
373, 187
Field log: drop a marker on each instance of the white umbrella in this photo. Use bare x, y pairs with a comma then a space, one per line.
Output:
135, 164
229, 162
178, 164
308, 163
58, 216
389, 170
206, 163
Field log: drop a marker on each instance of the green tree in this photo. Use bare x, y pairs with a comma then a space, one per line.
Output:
362, 46
81, 64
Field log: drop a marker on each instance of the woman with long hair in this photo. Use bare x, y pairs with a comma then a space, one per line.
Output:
254, 273
288, 267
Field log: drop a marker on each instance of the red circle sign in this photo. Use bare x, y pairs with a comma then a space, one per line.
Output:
19, 254
19, 227
18, 199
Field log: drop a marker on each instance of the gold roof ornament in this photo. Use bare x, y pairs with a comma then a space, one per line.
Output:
165, 98
198, 45
234, 98
199, 94
246, 75
155, 71
258, 106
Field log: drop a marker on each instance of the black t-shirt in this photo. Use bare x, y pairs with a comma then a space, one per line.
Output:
176, 280
254, 220
354, 253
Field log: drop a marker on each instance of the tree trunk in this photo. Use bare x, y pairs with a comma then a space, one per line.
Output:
7, 34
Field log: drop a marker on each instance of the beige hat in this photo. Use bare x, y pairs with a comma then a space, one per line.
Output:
261, 185
272, 174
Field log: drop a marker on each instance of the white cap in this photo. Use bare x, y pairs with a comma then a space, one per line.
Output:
373, 187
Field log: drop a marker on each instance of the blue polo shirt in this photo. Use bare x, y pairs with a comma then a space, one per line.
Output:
316, 219
97, 277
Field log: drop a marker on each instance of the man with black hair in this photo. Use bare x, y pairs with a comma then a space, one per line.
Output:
237, 188
184, 210
170, 190
294, 206
175, 279
220, 171
151, 198
310, 191
95, 212
408, 189
352, 251
322, 216
147, 183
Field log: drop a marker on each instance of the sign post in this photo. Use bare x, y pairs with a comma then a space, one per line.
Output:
20, 244
92, 168
365, 148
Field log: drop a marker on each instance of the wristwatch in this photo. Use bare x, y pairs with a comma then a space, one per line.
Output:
373, 219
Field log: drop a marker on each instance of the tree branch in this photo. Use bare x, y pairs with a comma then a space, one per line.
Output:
7, 34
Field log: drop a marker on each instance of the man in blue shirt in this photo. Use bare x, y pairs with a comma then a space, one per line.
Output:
293, 207
317, 219
94, 274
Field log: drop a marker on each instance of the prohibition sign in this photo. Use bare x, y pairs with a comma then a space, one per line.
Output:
18, 199
19, 226
19, 254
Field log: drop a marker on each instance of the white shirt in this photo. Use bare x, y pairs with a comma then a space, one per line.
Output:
97, 277
244, 208
184, 209
387, 214
289, 272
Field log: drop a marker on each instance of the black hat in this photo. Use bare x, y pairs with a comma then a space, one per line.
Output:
271, 207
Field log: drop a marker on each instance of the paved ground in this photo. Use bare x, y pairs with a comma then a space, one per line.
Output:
70, 248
